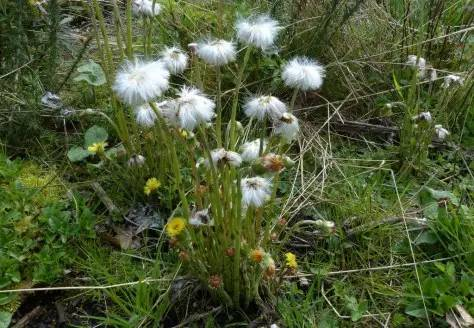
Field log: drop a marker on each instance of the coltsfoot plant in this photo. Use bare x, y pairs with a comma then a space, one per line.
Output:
225, 172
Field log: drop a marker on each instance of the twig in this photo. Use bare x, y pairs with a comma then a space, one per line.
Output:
28, 317
199, 316
371, 225
105, 198
46, 289
385, 267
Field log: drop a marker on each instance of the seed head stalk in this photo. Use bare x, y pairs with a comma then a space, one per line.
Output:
235, 101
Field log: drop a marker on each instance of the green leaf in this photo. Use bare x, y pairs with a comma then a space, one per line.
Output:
5, 319
416, 309
427, 237
95, 134
77, 154
92, 73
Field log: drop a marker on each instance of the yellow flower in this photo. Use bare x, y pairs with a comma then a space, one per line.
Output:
97, 147
175, 226
257, 255
151, 185
183, 133
291, 260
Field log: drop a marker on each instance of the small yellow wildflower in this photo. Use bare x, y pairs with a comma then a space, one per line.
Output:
183, 133
291, 260
175, 226
151, 185
97, 147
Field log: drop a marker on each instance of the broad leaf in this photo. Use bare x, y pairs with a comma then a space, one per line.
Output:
92, 73
5, 319
77, 154
95, 134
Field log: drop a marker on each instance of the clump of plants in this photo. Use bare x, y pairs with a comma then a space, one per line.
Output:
37, 226
223, 159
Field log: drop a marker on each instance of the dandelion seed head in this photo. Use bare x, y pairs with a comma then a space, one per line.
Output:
440, 132
146, 8
260, 31
255, 191
264, 106
140, 82
250, 150
201, 218
145, 115
303, 73
174, 59
190, 109
216, 52
287, 127
452, 79
136, 160
221, 156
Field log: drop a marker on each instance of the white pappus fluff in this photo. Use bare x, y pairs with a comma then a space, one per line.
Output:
174, 59
418, 63
201, 218
250, 150
260, 31
303, 73
216, 52
452, 79
255, 191
423, 116
440, 132
145, 7
287, 127
136, 160
264, 106
139, 82
190, 109
145, 115
221, 156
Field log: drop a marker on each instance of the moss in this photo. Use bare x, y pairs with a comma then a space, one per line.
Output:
51, 188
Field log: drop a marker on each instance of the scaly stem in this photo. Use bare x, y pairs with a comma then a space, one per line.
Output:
235, 101
262, 136
174, 162
219, 108
128, 14
293, 99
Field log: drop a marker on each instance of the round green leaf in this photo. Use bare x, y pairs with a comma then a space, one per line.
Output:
95, 134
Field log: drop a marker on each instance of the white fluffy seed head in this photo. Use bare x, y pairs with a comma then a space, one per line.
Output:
174, 59
145, 8
145, 115
136, 160
264, 106
287, 127
191, 108
140, 82
250, 150
221, 156
441, 133
255, 191
416, 61
201, 218
452, 79
423, 116
303, 73
260, 31
216, 52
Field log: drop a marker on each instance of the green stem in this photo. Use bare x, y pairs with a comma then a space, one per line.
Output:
235, 101
293, 99
219, 108
174, 161
128, 14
